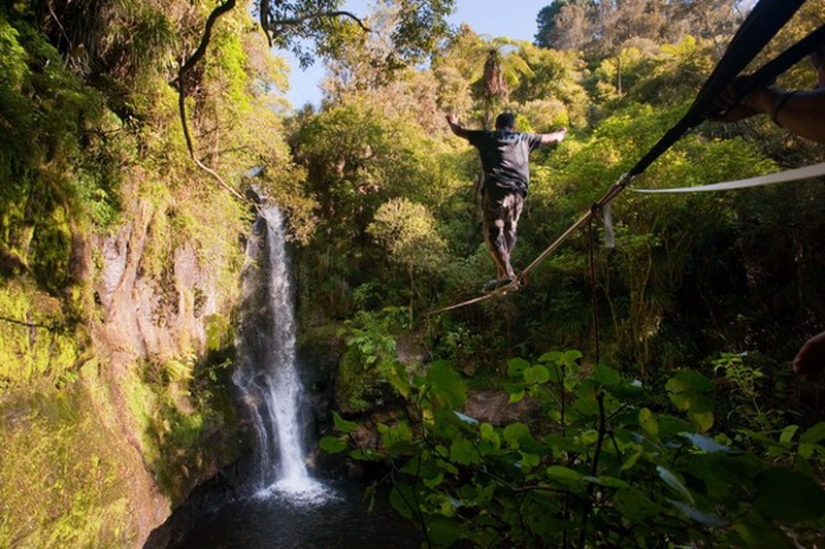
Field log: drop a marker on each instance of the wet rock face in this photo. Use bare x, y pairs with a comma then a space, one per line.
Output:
495, 408
150, 315
150, 307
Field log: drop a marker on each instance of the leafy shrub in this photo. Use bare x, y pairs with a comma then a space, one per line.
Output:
601, 468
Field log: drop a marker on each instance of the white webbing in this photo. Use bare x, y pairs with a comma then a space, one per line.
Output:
778, 177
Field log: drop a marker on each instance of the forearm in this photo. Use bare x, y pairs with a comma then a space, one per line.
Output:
554, 137
458, 129
800, 112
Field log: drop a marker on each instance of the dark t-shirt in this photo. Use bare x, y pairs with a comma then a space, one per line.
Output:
504, 157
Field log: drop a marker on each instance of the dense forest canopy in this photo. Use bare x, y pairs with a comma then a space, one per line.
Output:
658, 404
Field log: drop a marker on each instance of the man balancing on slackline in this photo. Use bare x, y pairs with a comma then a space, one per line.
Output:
504, 158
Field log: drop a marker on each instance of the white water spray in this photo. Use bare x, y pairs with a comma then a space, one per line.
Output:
267, 375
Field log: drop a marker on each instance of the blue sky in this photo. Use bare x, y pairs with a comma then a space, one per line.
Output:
513, 19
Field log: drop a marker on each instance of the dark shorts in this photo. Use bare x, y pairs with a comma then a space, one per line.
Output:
501, 210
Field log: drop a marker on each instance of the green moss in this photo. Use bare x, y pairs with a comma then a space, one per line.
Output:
62, 479
186, 420
37, 343
359, 386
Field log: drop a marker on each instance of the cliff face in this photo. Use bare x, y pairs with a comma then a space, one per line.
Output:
99, 455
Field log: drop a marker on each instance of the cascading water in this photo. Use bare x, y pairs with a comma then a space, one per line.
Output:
289, 509
266, 375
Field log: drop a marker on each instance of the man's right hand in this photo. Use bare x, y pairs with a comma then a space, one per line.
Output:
732, 104
554, 137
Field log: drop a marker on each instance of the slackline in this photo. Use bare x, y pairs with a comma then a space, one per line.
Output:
807, 172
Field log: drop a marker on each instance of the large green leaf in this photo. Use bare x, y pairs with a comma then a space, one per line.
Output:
754, 532
515, 432
443, 532
635, 505
462, 451
606, 376
788, 496
333, 445
564, 475
343, 425
690, 391
536, 374
814, 434
516, 367
446, 384
402, 500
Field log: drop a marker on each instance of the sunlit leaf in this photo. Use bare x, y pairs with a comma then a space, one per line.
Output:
516, 367
703, 421
536, 374
515, 432
443, 532
692, 513
398, 434
814, 434
788, 433
333, 445
650, 426
705, 443
489, 434
690, 391
343, 425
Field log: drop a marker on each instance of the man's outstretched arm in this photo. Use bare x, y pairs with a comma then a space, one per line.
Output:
456, 126
553, 138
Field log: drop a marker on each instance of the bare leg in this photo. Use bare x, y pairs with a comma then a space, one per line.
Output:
497, 246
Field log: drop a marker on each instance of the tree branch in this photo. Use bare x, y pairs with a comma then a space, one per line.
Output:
185, 68
190, 146
207, 36
276, 24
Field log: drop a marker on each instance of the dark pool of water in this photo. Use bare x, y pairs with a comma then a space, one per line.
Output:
278, 521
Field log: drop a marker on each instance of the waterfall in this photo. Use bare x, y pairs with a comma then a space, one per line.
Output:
266, 374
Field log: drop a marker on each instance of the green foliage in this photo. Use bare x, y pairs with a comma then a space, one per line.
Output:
596, 467
370, 363
416, 28
43, 165
179, 406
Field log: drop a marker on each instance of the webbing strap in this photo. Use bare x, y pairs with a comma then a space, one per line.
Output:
778, 177
787, 59
764, 21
